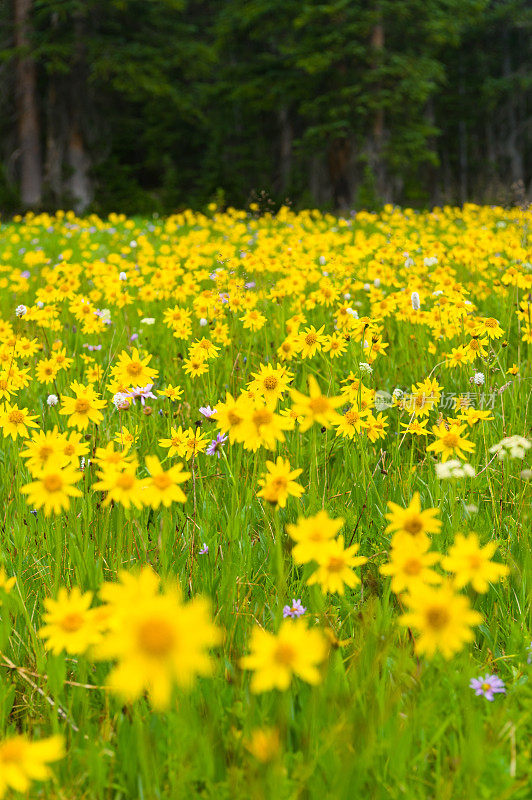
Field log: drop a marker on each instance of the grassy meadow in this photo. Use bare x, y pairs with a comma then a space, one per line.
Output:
266, 505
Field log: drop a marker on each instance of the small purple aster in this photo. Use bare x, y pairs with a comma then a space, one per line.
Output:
144, 392
207, 411
487, 686
215, 447
133, 337
204, 550
295, 610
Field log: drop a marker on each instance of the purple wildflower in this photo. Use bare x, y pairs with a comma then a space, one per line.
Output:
143, 392
529, 649
295, 610
133, 337
215, 447
487, 686
204, 550
207, 411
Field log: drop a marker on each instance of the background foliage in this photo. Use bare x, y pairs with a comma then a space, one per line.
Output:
153, 106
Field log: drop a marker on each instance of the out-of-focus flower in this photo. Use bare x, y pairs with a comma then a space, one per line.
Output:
52, 400
512, 446
295, 610
21, 311
454, 469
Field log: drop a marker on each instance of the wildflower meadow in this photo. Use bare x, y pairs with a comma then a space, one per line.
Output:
266, 505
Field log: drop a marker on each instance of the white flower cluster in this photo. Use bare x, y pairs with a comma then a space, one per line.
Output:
122, 401
21, 311
454, 469
365, 368
511, 446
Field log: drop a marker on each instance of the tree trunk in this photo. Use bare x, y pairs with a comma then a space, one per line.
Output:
375, 142
79, 185
27, 116
285, 154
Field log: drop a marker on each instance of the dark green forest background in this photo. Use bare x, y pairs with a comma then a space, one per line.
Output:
152, 105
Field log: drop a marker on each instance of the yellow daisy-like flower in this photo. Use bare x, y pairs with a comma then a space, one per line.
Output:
231, 415
442, 618
262, 427
176, 444
472, 563
335, 570
313, 535
264, 744
163, 487
43, 446
121, 485
279, 482
23, 761
275, 659
450, 441
411, 522
84, 407
15, 421
158, 643
133, 370
311, 341
53, 487
410, 565
270, 383
317, 407
70, 623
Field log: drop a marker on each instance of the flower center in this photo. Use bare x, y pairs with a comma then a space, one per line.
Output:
125, 481
233, 418
134, 368
437, 617
72, 622
319, 405
310, 339
16, 417
156, 637
162, 481
53, 482
412, 566
475, 561
82, 405
262, 417
336, 564
450, 439
285, 654
413, 525
69, 449
270, 382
